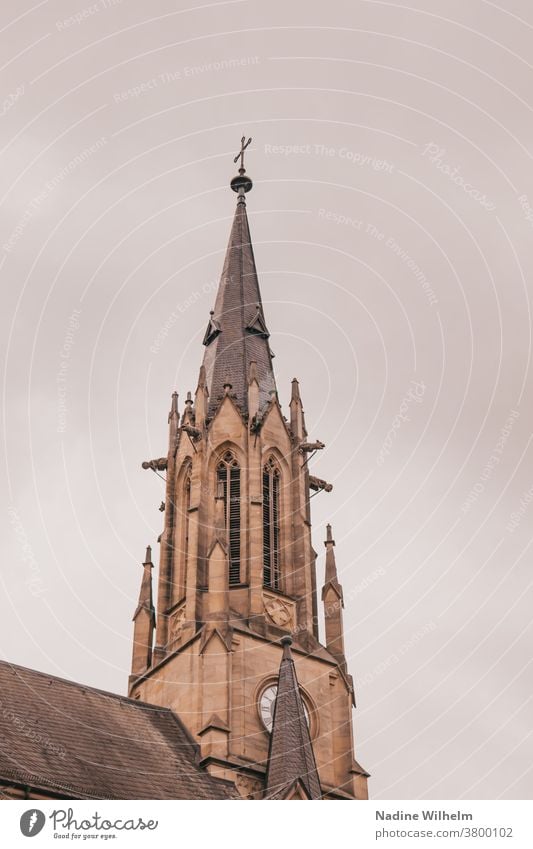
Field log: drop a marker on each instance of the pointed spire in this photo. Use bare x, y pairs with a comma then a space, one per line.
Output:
173, 406
297, 412
188, 414
333, 599
145, 594
237, 333
173, 422
331, 565
144, 619
291, 758
200, 399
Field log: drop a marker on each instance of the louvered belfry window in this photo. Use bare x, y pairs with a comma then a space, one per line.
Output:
271, 485
187, 505
229, 475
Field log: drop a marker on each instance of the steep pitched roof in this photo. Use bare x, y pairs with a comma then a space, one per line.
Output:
79, 742
291, 758
237, 334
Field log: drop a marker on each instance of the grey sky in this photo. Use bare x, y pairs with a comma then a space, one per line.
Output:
391, 217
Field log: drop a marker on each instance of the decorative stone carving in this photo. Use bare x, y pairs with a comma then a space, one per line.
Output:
248, 787
279, 611
177, 624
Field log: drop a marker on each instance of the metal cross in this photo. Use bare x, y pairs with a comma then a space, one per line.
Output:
241, 152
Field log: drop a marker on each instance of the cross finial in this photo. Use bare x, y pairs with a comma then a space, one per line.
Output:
242, 182
241, 152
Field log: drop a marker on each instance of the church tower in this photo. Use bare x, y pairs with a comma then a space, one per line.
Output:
237, 568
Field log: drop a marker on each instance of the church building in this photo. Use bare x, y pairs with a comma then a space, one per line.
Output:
231, 693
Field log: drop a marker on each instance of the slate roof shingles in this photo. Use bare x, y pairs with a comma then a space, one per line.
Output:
229, 355
87, 743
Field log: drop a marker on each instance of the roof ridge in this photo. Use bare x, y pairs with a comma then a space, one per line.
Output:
79, 685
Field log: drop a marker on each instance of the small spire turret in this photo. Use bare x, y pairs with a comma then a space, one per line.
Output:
297, 412
173, 424
188, 413
333, 599
291, 760
201, 399
144, 619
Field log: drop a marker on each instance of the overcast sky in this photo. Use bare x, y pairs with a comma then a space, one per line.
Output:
392, 216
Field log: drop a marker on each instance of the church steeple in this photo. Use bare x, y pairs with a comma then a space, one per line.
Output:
237, 568
236, 333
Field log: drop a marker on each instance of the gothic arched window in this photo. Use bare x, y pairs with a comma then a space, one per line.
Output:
229, 475
271, 533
